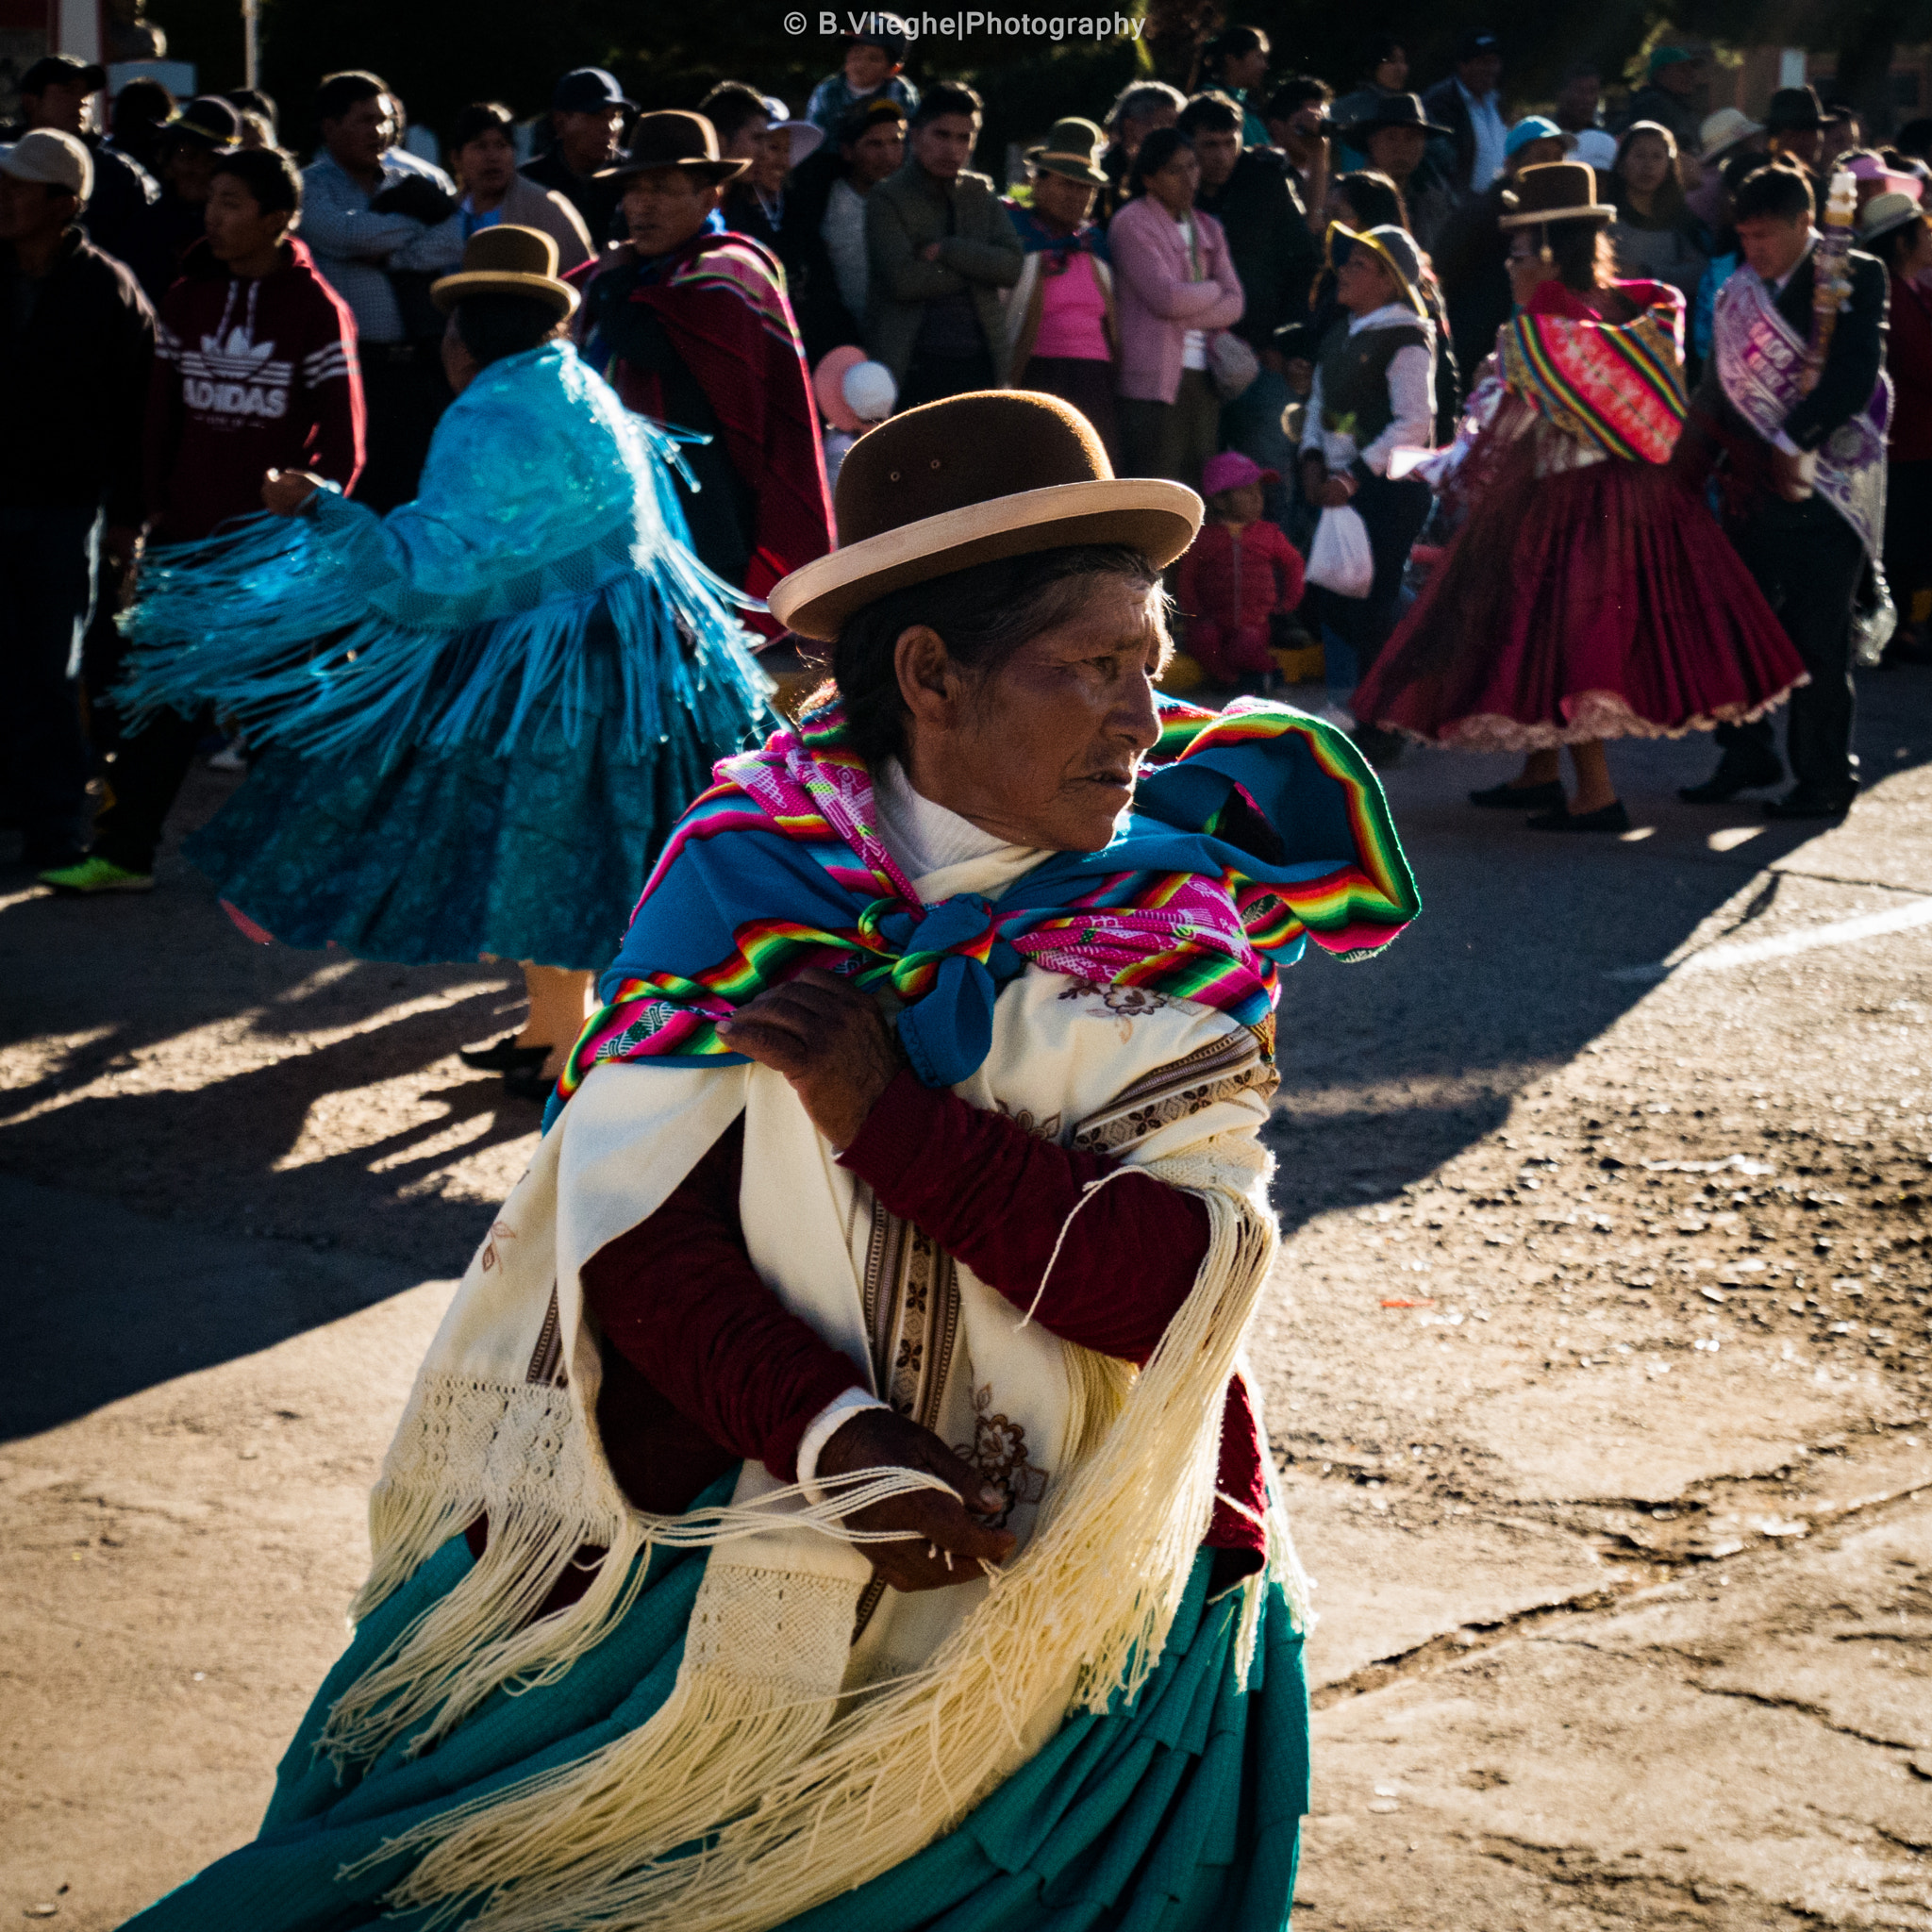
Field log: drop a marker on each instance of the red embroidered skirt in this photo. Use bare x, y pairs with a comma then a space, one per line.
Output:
1599, 602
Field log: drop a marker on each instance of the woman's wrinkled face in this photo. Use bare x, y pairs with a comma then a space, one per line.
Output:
1044, 752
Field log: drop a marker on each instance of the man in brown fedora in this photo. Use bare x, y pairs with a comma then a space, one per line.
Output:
693, 327
1794, 133
1395, 137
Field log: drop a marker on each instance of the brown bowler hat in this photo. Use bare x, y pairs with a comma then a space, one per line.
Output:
1556, 192
507, 260
674, 139
996, 473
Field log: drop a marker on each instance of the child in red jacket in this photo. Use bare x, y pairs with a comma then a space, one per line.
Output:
1240, 573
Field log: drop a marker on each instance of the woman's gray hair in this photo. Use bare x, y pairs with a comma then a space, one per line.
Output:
1141, 98
983, 615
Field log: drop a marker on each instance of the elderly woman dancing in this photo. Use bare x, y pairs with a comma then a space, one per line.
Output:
834, 1498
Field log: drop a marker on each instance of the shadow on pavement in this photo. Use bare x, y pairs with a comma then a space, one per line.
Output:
104, 1302
1391, 1066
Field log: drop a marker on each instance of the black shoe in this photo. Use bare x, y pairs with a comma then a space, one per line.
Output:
50, 855
528, 1083
502, 1056
1805, 801
1521, 797
1610, 818
1381, 748
1733, 775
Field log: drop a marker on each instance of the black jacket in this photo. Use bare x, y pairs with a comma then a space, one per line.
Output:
1277, 257
74, 383
596, 197
116, 215
1716, 429
1471, 262
1443, 104
799, 241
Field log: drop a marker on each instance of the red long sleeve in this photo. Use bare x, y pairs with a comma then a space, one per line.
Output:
1289, 570
704, 1365
332, 380
709, 1366
996, 1197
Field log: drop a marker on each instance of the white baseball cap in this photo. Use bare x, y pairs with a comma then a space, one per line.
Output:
1595, 149
48, 156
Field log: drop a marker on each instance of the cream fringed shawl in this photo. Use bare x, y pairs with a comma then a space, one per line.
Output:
806, 1763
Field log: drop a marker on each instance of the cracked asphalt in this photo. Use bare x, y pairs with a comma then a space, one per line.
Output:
1597, 1363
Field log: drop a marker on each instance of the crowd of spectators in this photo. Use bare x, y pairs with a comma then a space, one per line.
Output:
186, 309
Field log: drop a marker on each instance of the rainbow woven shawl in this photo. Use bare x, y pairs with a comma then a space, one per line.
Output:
1616, 388
1252, 831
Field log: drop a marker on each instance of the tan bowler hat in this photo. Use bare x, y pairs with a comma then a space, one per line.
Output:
507, 260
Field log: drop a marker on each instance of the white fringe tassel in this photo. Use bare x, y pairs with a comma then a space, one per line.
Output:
795, 1808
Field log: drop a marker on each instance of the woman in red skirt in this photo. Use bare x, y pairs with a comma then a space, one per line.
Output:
1588, 594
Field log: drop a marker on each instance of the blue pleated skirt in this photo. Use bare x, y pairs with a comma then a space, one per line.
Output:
1182, 1811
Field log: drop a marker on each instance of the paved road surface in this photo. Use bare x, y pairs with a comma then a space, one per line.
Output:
1597, 1362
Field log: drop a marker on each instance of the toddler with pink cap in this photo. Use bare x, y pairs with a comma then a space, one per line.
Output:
1238, 579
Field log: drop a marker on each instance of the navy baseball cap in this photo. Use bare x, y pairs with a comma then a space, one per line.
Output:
584, 89
888, 42
62, 70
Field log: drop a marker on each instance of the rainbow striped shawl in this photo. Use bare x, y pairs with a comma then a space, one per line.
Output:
1252, 831
1616, 388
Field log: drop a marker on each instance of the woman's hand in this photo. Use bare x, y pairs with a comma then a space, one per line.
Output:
1335, 492
829, 1040
289, 492
876, 1438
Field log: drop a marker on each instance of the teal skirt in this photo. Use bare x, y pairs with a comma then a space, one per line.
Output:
1181, 1811
531, 845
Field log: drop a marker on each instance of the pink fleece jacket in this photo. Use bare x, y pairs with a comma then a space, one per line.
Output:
1156, 301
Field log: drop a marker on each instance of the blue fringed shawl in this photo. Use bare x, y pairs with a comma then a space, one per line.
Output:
543, 501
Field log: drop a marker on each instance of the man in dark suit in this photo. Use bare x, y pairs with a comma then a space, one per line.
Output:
1470, 109
1802, 480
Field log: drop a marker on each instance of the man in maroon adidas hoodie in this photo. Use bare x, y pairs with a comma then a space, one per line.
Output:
255, 372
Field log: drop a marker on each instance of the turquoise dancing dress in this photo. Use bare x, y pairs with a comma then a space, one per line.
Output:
482, 713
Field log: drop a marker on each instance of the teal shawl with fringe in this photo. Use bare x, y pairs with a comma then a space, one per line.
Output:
543, 503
